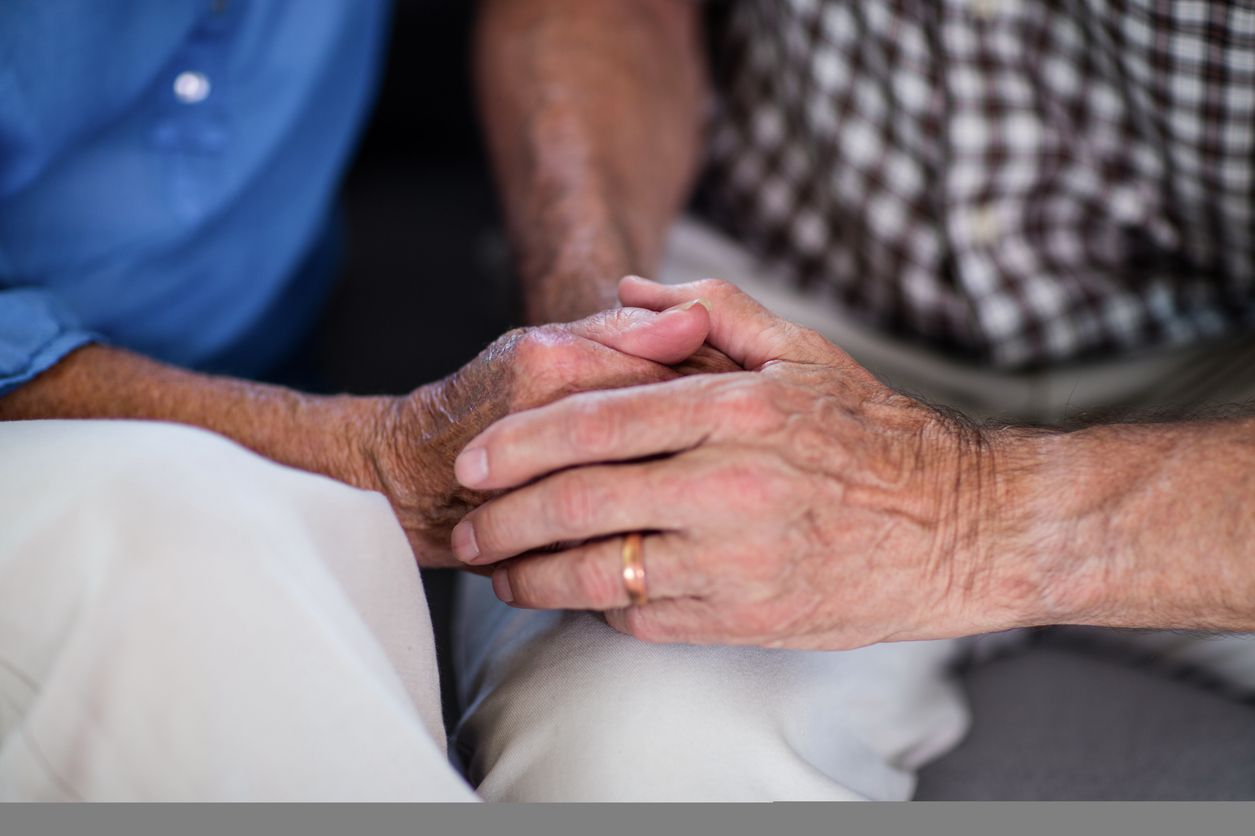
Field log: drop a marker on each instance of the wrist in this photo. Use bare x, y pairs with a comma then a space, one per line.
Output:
1115, 537
416, 439
346, 437
1008, 542
1058, 507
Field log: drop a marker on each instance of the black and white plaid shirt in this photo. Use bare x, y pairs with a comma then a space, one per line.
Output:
1022, 181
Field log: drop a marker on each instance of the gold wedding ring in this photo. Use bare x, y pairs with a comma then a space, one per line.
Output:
634, 569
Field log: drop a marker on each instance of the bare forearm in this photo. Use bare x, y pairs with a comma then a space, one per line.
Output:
318, 434
1147, 525
401, 446
592, 110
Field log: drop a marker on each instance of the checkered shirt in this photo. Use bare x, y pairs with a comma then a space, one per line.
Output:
1022, 182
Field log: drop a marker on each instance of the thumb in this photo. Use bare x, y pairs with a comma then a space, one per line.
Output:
667, 337
739, 326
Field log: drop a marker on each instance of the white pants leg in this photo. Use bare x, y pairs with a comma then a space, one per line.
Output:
182, 619
563, 708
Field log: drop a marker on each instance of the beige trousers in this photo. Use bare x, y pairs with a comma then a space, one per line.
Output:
181, 619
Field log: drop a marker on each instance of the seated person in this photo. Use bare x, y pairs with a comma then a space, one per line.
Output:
1014, 209
181, 618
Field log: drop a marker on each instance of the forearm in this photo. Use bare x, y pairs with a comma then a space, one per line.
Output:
1144, 525
317, 434
592, 110
403, 447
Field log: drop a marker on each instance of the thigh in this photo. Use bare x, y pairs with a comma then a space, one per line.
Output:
182, 619
559, 706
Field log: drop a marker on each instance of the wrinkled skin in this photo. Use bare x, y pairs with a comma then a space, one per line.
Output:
799, 503
410, 442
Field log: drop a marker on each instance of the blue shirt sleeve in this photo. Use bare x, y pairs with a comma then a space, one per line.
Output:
36, 331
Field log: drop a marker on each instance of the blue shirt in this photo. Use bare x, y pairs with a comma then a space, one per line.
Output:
167, 167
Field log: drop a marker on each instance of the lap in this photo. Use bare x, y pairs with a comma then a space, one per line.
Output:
562, 707
184, 619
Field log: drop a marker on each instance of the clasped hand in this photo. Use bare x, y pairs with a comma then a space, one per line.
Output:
796, 503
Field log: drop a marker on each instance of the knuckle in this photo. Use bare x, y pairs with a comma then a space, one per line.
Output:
592, 429
573, 504
595, 586
528, 357
641, 624
716, 288
523, 344
510, 340
751, 404
562, 366
536, 348
492, 533
812, 342
811, 337
526, 588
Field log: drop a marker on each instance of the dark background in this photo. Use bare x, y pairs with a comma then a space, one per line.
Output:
425, 284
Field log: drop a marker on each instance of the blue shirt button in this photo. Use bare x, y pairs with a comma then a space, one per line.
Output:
191, 87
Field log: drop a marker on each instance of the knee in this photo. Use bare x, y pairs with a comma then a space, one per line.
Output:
608, 718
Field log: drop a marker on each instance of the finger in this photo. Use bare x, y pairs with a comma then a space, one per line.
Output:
739, 327
666, 337
590, 577
673, 620
707, 360
573, 505
617, 425
532, 367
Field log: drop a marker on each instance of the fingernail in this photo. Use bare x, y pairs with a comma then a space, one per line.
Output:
640, 278
501, 586
464, 545
471, 467
684, 306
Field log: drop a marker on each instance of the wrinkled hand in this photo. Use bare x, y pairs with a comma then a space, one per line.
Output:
410, 442
801, 503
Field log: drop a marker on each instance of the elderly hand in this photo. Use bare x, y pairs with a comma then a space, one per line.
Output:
799, 504
408, 444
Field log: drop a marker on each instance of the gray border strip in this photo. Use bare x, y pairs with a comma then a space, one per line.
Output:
934, 819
